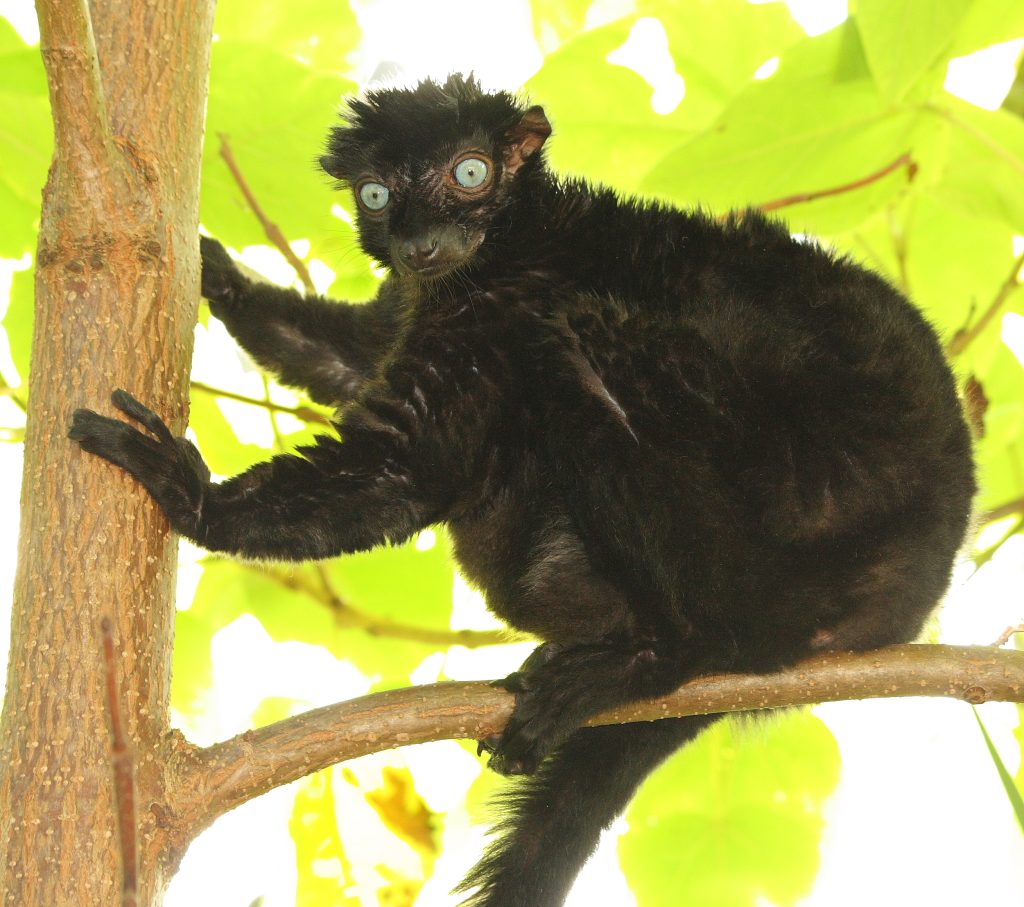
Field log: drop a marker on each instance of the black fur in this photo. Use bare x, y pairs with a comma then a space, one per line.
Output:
664, 444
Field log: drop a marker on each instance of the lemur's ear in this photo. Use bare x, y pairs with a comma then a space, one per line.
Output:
525, 138
330, 165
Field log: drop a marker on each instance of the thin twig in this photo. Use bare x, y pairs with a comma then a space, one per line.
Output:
220, 777
305, 413
965, 336
904, 160
345, 615
1004, 637
985, 556
12, 394
124, 772
273, 232
1004, 510
279, 444
899, 246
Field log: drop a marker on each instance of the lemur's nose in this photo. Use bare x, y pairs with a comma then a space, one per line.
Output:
418, 253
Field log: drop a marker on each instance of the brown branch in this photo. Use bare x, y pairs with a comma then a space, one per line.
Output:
279, 444
272, 230
81, 130
1004, 510
305, 413
220, 777
124, 772
345, 615
965, 336
12, 394
985, 556
904, 160
1009, 632
899, 248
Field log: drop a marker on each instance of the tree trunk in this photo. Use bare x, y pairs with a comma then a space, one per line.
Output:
116, 294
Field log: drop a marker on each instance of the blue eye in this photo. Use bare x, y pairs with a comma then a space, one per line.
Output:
470, 173
373, 196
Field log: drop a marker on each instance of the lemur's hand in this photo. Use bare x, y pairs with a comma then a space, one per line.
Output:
170, 469
223, 283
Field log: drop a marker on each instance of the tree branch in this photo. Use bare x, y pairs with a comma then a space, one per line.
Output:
218, 778
12, 394
272, 230
305, 413
1004, 510
904, 160
81, 128
965, 336
349, 617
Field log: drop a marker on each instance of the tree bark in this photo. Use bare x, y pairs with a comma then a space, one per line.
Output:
210, 781
116, 293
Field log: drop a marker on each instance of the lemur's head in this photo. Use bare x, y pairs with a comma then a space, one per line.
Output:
432, 168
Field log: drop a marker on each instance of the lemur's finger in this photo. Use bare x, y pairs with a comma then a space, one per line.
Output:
131, 407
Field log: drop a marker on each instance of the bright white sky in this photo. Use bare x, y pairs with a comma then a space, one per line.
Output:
919, 817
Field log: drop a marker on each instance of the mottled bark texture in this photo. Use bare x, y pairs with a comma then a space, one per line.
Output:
229, 773
117, 283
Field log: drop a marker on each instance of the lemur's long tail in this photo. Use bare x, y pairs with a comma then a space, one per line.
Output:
550, 822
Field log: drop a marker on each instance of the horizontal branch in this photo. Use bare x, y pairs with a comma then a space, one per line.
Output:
220, 777
351, 618
904, 160
305, 413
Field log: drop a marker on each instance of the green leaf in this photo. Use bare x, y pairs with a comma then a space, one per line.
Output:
321, 33
322, 867
988, 22
985, 171
903, 39
818, 124
556, 23
26, 145
717, 46
396, 584
275, 113
604, 127
1012, 793
18, 321
192, 665
10, 40
400, 583
734, 818
223, 452
998, 454
956, 262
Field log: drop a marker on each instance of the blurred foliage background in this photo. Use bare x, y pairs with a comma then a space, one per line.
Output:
892, 130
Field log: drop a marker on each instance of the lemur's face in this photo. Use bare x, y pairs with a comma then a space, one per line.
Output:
432, 170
